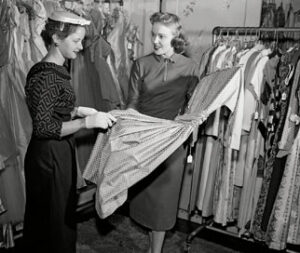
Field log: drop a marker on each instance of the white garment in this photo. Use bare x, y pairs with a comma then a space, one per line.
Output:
256, 81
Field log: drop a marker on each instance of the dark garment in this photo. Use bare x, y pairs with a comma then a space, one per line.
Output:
157, 196
94, 87
276, 177
276, 121
50, 223
161, 88
50, 169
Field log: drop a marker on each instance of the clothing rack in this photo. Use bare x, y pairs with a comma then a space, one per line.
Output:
160, 5
250, 31
219, 31
115, 1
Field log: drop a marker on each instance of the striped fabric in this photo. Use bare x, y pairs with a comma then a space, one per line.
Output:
138, 143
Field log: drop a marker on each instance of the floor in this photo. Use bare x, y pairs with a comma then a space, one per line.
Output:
122, 235
119, 234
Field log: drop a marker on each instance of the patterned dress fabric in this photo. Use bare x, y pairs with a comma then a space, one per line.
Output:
283, 221
49, 98
50, 168
283, 226
138, 143
265, 202
290, 128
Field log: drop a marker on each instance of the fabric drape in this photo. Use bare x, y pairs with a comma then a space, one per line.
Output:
137, 144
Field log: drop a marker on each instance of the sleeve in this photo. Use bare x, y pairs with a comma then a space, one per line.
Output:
194, 80
42, 99
134, 86
193, 75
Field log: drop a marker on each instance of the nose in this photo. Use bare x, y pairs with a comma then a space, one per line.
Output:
155, 39
80, 46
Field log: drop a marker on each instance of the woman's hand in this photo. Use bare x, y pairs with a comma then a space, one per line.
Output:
82, 111
100, 120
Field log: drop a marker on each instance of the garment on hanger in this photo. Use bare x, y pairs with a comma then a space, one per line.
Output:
250, 183
93, 84
117, 38
37, 23
16, 115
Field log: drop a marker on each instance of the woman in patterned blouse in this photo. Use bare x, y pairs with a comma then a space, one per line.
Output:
50, 168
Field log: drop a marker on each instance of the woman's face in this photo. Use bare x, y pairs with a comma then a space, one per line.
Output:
161, 37
71, 45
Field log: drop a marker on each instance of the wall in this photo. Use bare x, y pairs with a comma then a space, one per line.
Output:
207, 14
198, 24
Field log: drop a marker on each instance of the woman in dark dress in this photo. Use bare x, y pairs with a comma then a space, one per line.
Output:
160, 85
50, 168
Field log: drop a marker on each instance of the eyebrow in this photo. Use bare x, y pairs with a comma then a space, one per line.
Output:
163, 34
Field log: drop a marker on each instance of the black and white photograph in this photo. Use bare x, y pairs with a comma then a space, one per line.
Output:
149, 126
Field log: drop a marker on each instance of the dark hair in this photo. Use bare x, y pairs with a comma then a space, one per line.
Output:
61, 29
179, 42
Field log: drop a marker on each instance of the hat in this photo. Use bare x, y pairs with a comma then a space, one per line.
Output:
68, 17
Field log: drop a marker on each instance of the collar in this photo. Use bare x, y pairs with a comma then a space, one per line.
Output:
174, 58
45, 66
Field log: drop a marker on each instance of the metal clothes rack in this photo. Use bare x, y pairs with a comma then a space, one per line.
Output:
115, 1
259, 32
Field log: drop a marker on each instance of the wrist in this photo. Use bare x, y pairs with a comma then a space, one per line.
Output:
82, 123
74, 112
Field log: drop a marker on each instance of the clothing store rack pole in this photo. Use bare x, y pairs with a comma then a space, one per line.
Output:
194, 233
217, 31
160, 5
121, 2
244, 30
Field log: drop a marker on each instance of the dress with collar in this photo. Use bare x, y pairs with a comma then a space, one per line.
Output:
160, 88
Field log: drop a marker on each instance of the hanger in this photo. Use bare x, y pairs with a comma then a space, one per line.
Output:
235, 41
244, 44
220, 39
274, 47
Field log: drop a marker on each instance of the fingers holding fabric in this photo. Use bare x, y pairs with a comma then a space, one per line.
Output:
99, 120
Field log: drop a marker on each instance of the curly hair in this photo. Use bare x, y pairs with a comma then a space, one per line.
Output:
179, 42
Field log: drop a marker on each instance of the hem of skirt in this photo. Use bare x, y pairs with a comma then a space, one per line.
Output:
140, 219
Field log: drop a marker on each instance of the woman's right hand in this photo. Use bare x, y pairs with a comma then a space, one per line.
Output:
99, 120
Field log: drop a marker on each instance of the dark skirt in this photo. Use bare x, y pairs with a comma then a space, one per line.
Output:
154, 200
50, 174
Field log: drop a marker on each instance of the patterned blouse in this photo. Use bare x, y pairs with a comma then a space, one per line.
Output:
50, 98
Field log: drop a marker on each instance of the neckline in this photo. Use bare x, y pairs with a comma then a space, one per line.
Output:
61, 70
